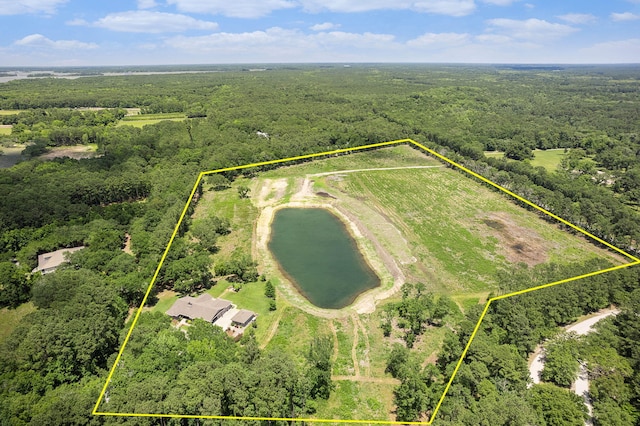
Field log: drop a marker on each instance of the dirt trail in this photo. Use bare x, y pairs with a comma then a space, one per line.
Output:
581, 385
274, 328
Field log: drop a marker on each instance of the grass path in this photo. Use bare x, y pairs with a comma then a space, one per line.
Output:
365, 335
354, 353
274, 328
334, 333
383, 380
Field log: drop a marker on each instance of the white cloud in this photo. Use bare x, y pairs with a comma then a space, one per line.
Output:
146, 4
233, 8
620, 51
78, 23
38, 40
493, 38
439, 7
446, 7
324, 26
625, 16
14, 7
500, 2
578, 18
143, 21
278, 39
439, 40
530, 29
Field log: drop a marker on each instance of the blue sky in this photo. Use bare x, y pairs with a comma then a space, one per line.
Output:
130, 32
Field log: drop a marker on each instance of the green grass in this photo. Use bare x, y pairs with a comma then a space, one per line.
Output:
549, 159
5, 131
441, 213
343, 366
357, 400
10, 318
142, 123
165, 301
396, 156
11, 111
159, 116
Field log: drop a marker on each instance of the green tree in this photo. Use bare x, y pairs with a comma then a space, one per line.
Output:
557, 406
518, 151
561, 361
269, 290
14, 286
319, 373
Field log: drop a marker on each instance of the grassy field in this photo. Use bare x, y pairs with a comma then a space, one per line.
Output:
549, 159
9, 318
5, 130
142, 120
10, 111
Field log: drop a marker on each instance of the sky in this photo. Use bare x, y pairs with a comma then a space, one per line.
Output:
155, 32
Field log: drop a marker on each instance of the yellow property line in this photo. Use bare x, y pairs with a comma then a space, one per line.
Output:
95, 411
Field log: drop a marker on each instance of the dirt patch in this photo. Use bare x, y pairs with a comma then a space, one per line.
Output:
75, 152
324, 195
516, 243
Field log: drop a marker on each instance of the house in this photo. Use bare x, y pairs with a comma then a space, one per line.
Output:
204, 307
49, 262
243, 318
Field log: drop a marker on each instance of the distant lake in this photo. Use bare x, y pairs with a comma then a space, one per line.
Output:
317, 253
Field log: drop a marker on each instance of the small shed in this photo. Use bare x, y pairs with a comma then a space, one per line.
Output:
243, 318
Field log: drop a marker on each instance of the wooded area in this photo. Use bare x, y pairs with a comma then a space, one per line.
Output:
55, 361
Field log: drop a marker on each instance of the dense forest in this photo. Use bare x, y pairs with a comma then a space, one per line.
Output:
56, 358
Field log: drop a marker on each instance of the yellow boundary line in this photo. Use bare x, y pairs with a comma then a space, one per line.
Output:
635, 261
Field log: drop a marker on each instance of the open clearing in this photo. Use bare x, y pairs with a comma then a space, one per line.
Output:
5, 129
76, 152
414, 220
141, 120
548, 158
10, 155
10, 318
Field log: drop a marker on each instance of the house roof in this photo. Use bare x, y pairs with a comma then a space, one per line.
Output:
203, 306
50, 261
243, 316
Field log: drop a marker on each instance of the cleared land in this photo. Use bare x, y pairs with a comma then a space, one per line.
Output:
5, 129
549, 159
415, 220
141, 120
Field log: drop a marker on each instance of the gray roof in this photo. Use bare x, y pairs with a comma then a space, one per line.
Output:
48, 262
203, 306
242, 316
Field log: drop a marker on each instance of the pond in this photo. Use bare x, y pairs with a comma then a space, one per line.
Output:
317, 254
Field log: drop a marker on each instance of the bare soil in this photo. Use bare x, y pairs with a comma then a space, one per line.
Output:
517, 244
76, 152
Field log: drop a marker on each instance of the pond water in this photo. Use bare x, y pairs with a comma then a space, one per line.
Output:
318, 255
